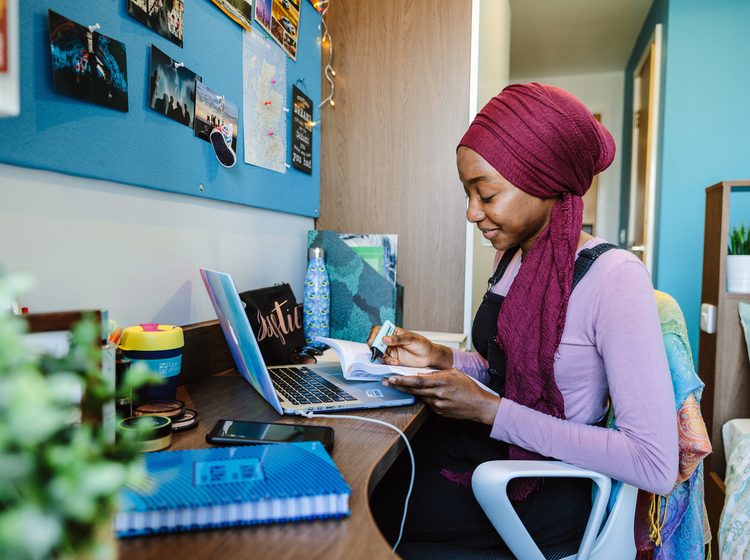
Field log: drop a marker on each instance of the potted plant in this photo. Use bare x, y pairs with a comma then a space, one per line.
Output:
61, 472
738, 260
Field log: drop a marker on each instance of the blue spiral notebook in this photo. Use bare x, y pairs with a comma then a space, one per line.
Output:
230, 486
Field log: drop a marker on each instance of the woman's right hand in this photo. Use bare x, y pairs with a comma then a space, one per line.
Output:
407, 348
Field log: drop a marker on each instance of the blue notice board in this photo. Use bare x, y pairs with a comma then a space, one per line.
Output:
142, 147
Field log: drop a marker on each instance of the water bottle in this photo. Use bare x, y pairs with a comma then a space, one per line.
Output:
317, 298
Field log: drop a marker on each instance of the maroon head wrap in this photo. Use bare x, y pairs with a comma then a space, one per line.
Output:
548, 144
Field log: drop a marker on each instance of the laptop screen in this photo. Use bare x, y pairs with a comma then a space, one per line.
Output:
239, 334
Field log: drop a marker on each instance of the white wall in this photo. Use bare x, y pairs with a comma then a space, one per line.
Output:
135, 251
602, 93
493, 67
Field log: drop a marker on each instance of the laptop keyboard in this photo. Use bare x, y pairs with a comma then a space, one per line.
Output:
303, 386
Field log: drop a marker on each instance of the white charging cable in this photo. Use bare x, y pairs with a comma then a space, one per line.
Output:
406, 443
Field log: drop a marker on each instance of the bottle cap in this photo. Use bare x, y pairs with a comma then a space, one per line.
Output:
315, 253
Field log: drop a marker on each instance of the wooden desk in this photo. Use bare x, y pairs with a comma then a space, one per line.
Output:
362, 451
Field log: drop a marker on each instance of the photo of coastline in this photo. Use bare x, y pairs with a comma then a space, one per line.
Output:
212, 110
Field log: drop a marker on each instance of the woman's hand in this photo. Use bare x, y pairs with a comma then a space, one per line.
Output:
450, 393
406, 348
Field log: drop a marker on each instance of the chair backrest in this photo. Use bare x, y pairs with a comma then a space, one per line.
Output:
615, 540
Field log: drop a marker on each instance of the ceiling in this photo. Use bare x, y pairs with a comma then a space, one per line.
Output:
559, 37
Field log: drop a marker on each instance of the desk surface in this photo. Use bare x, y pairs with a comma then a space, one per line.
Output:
362, 451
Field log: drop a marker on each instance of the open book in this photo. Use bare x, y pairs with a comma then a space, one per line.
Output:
356, 364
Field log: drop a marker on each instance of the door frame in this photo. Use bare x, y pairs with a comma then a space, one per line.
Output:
473, 95
652, 160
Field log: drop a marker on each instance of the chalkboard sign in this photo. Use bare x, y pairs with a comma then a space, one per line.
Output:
302, 125
142, 147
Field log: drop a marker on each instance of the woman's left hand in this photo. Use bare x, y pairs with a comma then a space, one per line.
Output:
450, 393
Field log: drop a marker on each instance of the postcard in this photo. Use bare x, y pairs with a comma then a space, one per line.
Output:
285, 25
263, 13
320, 5
241, 11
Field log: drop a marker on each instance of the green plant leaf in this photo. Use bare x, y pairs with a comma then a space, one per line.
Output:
28, 532
59, 471
739, 240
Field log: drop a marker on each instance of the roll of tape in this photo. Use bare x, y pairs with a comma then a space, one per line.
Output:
150, 433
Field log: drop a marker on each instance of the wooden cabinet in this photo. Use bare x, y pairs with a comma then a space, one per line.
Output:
723, 361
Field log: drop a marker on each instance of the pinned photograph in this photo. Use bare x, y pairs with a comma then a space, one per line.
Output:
172, 89
213, 110
241, 11
319, 5
87, 65
3, 36
166, 17
263, 13
285, 25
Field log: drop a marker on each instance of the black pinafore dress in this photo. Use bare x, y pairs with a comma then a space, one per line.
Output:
442, 510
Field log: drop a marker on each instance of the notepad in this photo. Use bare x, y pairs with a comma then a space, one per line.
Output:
231, 486
356, 364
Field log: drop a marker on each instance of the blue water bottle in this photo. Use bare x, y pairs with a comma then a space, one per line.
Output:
317, 298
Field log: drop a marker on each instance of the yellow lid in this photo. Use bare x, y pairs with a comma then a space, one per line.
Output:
152, 337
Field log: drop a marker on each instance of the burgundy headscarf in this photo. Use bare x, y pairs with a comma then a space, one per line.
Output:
547, 143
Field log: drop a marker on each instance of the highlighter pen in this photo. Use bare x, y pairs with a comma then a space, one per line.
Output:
378, 347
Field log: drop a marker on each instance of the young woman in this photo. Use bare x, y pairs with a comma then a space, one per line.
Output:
560, 344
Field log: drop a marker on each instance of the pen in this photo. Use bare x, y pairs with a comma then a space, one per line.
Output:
378, 347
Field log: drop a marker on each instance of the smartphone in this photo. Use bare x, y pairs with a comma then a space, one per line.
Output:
240, 432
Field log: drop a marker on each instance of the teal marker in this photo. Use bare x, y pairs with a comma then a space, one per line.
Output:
378, 347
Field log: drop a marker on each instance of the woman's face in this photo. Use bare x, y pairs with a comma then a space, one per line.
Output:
506, 215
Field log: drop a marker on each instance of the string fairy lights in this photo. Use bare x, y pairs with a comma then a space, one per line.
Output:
329, 72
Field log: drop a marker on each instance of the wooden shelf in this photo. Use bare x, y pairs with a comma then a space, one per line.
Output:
723, 363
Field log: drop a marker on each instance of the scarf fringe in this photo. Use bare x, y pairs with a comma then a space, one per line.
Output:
657, 517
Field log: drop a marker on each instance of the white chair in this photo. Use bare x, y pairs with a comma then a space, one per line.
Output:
608, 536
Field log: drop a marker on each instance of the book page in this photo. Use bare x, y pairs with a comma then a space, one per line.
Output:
482, 385
356, 364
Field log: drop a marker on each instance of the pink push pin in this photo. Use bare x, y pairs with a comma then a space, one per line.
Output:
270, 132
273, 81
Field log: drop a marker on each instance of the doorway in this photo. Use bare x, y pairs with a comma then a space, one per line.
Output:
590, 200
643, 177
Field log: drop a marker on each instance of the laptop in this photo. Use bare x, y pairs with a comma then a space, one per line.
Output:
293, 389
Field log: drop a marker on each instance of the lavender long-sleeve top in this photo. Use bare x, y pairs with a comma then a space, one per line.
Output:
611, 349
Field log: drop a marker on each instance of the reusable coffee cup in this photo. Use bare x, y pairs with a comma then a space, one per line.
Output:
159, 347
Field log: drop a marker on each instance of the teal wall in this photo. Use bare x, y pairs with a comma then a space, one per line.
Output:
704, 134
